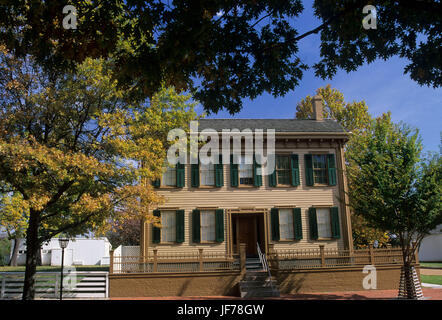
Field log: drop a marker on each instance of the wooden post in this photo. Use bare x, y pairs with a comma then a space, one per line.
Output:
111, 262
155, 260
200, 257
321, 251
57, 285
242, 257
370, 249
2, 293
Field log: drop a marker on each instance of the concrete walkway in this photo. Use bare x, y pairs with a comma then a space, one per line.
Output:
431, 272
429, 294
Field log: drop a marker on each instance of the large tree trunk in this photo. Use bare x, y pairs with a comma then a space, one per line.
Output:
32, 250
13, 260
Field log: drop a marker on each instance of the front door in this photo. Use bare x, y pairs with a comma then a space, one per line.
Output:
248, 233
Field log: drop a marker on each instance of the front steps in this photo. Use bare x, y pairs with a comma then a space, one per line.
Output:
256, 282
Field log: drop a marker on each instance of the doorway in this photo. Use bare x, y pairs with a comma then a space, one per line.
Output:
248, 228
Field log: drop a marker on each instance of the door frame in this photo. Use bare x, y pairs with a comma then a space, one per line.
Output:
259, 212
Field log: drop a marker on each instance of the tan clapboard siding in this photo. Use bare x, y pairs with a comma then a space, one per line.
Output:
226, 197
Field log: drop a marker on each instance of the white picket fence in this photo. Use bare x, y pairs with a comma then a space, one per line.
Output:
79, 284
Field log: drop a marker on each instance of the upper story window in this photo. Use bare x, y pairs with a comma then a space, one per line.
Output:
320, 168
169, 177
245, 168
282, 170
207, 174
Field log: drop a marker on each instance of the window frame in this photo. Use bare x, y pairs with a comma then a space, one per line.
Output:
327, 178
290, 214
248, 185
201, 185
329, 224
205, 211
289, 169
162, 185
162, 226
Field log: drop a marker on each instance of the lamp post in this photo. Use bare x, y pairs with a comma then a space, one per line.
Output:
63, 244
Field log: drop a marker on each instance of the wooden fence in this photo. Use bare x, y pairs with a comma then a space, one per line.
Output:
196, 261
78, 284
332, 258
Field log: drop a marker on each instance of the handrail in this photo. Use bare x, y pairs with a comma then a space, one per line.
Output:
265, 265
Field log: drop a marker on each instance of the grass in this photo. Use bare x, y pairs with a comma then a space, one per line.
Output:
431, 264
54, 268
431, 279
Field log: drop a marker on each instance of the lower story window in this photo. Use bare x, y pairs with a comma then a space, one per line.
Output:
324, 222
168, 222
286, 231
207, 225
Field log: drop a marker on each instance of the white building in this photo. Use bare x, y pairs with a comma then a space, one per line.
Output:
431, 246
80, 251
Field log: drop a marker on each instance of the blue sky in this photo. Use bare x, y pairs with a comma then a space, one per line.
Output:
382, 84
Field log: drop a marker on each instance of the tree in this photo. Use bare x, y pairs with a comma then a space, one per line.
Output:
355, 118
365, 236
14, 215
70, 144
126, 232
396, 190
223, 51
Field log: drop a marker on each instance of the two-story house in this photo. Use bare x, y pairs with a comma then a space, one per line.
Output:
302, 204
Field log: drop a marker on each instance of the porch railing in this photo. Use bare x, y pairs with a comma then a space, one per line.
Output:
328, 258
195, 261
265, 265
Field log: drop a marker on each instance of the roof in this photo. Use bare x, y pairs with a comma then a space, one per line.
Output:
280, 125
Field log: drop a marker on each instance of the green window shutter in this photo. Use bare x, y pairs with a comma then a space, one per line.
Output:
156, 183
331, 169
313, 223
297, 223
257, 174
274, 217
295, 169
336, 230
219, 225
308, 159
195, 175
180, 226
196, 226
180, 175
233, 172
219, 173
156, 232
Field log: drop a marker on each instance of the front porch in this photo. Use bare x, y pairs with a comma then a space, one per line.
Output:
209, 273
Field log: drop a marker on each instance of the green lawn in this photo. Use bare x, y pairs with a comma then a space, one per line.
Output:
54, 268
431, 264
431, 279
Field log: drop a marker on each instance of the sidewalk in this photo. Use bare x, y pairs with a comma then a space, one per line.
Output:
429, 294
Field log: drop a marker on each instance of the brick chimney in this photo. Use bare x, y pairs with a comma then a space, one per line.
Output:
317, 108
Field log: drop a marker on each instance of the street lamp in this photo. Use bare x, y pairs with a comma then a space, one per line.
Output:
63, 244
